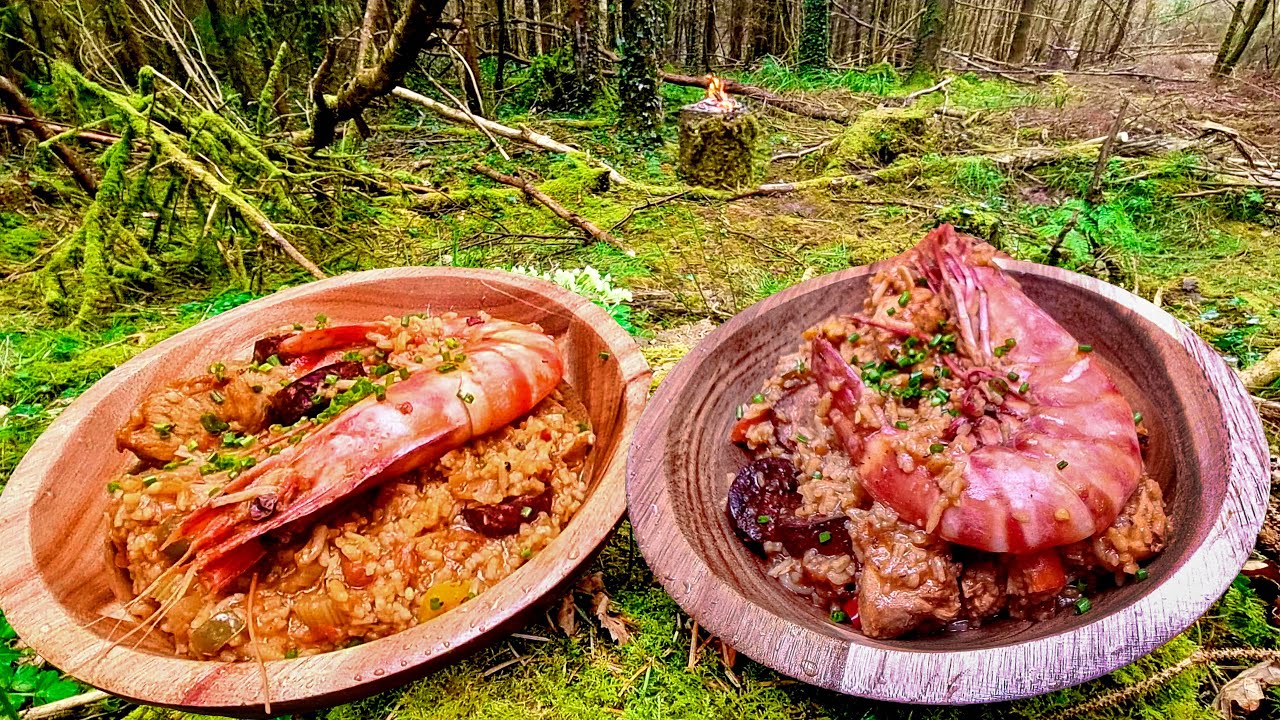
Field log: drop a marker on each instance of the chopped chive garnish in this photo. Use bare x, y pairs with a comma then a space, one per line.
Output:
1023, 388
937, 448
902, 425
1013, 376
380, 370
446, 368
404, 373
113, 487
891, 311
297, 326
763, 519
757, 398
817, 474
824, 537
526, 553
404, 321
1083, 605
1141, 575
904, 298
291, 654
217, 397
999, 351
322, 320
150, 480
163, 429
218, 370
467, 398
436, 603
1137, 418
838, 616
738, 412
526, 511
802, 438
352, 356
214, 424
1062, 464
604, 355
1086, 348
273, 361
855, 337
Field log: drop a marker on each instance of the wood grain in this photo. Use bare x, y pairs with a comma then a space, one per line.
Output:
55, 580
1207, 451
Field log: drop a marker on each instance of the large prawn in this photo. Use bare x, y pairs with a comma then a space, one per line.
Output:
487, 374
1052, 460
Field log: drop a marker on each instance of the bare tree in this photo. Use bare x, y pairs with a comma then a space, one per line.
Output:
933, 24
1238, 36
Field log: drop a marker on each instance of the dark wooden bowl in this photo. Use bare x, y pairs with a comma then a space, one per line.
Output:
55, 580
1207, 451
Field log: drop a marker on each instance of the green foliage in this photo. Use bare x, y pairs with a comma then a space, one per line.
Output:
815, 34
23, 684
589, 283
879, 79
267, 98
1241, 618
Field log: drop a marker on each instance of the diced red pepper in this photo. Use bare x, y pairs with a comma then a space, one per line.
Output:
850, 608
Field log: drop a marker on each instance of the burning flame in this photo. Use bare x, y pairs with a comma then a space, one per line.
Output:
717, 96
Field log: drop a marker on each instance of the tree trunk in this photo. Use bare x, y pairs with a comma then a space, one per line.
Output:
815, 34
469, 72
120, 30
1018, 47
738, 29
709, 35
933, 24
499, 72
230, 58
1239, 42
642, 35
582, 17
408, 37
1228, 40
546, 11
1122, 29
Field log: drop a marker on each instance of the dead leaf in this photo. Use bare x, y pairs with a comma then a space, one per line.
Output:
1248, 688
567, 615
592, 583
616, 626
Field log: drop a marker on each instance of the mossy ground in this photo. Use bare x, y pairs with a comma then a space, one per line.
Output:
686, 261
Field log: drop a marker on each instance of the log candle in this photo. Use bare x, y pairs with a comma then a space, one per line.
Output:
721, 143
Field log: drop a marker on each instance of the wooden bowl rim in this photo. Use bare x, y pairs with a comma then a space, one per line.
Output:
948, 677
32, 608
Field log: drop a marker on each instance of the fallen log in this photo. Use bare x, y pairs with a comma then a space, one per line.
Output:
797, 107
1262, 373
19, 103
92, 136
592, 230
524, 135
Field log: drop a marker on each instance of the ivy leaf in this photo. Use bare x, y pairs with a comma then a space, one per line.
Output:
1248, 688
6, 631
26, 679
59, 689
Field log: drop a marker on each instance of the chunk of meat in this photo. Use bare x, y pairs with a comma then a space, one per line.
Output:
199, 408
909, 580
889, 606
982, 587
1138, 533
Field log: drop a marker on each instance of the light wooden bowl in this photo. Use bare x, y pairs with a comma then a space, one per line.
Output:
1207, 451
55, 579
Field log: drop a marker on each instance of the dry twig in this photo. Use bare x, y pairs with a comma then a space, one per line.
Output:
18, 102
592, 230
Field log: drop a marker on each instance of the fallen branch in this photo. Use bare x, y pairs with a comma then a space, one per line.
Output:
160, 136
92, 136
66, 706
909, 99
647, 205
796, 155
591, 229
797, 107
19, 103
1262, 373
524, 135
1094, 193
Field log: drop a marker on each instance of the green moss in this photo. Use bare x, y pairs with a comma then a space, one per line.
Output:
877, 137
721, 151
1241, 618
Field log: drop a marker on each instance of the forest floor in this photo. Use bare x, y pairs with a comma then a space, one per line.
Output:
1210, 259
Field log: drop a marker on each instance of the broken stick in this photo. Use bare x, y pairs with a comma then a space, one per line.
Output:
20, 105
524, 135
592, 230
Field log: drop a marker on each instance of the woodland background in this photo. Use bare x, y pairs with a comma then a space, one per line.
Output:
166, 160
